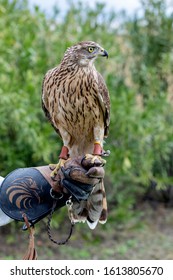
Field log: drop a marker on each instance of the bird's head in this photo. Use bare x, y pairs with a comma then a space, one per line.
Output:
85, 53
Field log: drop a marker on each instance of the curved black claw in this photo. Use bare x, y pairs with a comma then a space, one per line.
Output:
106, 153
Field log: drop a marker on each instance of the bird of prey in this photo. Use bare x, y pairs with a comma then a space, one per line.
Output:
76, 101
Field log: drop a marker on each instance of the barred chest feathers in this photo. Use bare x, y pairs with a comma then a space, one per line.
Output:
79, 104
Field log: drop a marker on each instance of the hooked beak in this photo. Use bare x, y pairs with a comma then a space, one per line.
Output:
104, 53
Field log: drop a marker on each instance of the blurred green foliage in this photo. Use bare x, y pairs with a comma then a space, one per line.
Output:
138, 75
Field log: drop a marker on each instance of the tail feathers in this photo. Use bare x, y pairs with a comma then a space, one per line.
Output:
79, 211
92, 224
104, 213
97, 206
93, 210
103, 217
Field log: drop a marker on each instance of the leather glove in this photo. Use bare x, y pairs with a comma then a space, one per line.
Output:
78, 176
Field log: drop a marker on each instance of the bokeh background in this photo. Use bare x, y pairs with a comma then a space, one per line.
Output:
139, 76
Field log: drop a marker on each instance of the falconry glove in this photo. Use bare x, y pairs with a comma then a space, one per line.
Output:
32, 192
29, 194
78, 176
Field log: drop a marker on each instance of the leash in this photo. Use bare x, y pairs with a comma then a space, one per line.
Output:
69, 206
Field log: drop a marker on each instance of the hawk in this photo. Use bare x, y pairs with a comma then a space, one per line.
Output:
76, 101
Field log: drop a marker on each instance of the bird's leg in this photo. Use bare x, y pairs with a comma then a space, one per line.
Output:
64, 153
97, 149
96, 155
98, 143
98, 140
62, 158
97, 152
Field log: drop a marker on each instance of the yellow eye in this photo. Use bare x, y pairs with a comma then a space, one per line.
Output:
90, 49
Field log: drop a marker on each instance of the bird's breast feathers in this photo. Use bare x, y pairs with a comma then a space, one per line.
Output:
77, 105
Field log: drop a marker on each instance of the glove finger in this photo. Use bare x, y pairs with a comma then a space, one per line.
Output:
96, 172
79, 175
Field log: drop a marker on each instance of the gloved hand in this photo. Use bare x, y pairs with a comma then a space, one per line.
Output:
29, 190
78, 176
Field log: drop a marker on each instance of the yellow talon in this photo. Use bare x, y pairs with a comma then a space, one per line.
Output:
56, 167
95, 158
